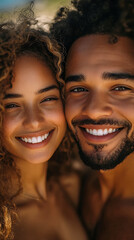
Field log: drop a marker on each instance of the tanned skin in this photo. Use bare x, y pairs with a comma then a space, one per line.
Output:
100, 95
47, 209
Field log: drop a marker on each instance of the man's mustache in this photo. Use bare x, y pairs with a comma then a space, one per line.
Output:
104, 121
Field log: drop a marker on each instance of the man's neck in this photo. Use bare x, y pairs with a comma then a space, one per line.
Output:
119, 181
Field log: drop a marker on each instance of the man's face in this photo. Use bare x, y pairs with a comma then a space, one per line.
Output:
100, 99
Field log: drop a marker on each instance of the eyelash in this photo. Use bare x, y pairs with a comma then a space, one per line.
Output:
14, 105
49, 99
121, 88
11, 105
117, 88
78, 89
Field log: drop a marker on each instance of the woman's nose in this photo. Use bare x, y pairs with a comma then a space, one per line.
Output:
33, 118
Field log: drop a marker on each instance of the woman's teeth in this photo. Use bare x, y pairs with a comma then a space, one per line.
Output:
101, 132
35, 139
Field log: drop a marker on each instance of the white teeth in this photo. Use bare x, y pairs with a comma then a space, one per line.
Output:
91, 131
100, 132
105, 132
39, 139
35, 139
42, 138
29, 140
46, 135
111, 130
94, 132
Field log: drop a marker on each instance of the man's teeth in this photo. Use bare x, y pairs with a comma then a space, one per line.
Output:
35, 139
100, 132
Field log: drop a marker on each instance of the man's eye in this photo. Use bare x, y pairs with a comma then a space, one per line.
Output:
49, 99
11, 105
121, 88
78, 89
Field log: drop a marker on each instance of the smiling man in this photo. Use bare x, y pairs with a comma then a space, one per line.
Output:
98, 37
100, 99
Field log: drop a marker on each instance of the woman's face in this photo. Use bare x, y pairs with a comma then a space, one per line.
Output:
33, 123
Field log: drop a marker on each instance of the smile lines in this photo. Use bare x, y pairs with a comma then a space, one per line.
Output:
101, 132
35, 139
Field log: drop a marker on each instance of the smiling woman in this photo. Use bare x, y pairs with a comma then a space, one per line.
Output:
34, 123
32, 128
33, 120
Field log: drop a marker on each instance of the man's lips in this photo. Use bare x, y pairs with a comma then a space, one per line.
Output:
99, 134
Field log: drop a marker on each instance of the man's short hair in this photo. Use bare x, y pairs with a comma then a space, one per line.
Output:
113, 17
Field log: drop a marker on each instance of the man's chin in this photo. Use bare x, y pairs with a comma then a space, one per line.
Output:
98, 161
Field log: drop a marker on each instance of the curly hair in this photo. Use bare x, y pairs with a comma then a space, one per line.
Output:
23, 38
112, 17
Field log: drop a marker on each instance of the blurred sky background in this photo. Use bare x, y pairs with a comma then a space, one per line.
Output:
44, 9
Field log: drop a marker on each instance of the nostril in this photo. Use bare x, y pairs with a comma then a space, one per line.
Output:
97, 108
97, 105
32, 120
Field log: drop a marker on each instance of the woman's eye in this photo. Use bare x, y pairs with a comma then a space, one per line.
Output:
78, 89
11, 105
121, 88
49, 99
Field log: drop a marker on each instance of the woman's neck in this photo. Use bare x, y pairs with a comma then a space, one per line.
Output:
33, 180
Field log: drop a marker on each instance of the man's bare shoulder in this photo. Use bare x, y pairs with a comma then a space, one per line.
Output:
117, 220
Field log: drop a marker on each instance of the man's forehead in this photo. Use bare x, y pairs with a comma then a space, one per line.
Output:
98, 41
97, 49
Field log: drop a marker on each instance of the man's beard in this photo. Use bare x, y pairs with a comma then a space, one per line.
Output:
96, 159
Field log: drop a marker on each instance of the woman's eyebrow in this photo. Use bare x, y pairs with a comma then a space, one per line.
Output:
47, 89
12, 95
16, 95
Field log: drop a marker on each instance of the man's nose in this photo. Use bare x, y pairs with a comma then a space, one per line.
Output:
97, 106
33, 118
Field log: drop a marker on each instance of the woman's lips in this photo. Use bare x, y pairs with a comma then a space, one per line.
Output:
36, 141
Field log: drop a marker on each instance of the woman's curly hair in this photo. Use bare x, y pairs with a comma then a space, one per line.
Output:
112, 17
23, 38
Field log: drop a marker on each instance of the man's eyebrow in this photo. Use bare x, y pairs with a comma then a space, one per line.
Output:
47, 89
116, 76
75, 78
